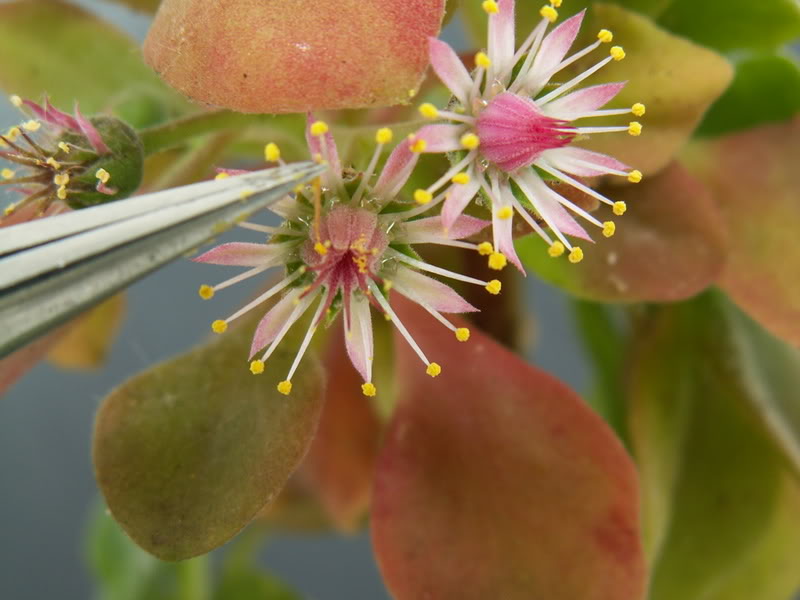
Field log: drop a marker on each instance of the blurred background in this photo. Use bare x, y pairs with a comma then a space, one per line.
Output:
48, 490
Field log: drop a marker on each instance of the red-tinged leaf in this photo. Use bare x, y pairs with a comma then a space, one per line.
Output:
89, 339
340, 462
753, 176
497, 481
189, 451
271, 57
669, 245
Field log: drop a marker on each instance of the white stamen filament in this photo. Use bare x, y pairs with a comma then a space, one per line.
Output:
266, 295
588, 130
532, 198
241, 277
423, 208
568, 61
453, 116
574, 207
573, 182
457, 168
293, 318
312, 328
268, 229
367, 175
565, 87
524, 73
608, 112
526, 216
397, 322
423, 266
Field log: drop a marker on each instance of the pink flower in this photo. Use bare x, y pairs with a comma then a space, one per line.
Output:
344, 244
63, 161
511, 131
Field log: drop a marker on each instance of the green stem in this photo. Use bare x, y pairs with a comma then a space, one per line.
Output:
194, 579
175, 133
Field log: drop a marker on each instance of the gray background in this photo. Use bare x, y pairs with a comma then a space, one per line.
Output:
46, 420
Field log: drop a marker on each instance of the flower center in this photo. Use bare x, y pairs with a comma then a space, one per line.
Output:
514, 132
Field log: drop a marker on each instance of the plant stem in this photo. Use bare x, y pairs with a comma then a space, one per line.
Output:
194, 579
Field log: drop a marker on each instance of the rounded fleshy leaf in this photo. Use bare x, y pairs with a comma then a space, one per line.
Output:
270, 57
714, 486
669, 245
59, 49
188, 452
676, 80
753, 176
503, 474
88, 340
340, 462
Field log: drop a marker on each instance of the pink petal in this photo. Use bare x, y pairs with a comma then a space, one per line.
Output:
423, 289
514, 132
440, 138
450, 69
543, 199
231, 172
346, 224
583, 163
553, 50
396, 171
91, 133
503, 232
275, 319
331, 154
458, 197
243, 254
581, 103
50, 114
432, 229
358, 338
501, 38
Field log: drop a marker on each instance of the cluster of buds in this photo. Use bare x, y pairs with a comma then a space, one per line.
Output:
346, 242
64, 161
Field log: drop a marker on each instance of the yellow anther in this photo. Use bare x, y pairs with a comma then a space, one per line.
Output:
64, 147
53, 162
635, 128
206, 292
462, 334
13, 133
470, 141
575, 255
7, 174
549, 13
387, 285
61, 179
638, 109
412, 93
319, 128
461, 178
433, 369
9, 209
482, 60
219, 326
619, 208
256, 367
16, 101
102, 175
272, 153
609, 228
244, 194
505, 212
494, 287
61, 193
384, 135
490, 6
285, 387
556, 249
32, 125
429, 111
418, 145
497, 261
368, 389
485, 248
320, 249
635, 176
221, 175
605, 36
422, 196
617, 53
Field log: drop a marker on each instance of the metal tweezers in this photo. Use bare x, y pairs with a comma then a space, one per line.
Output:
52, 269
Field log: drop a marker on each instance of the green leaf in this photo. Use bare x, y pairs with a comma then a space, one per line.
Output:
668, 246
753, 176
721, 510
731, 24
498, 481
58, 49
246, 582
188, 452
766, 88
675, 79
